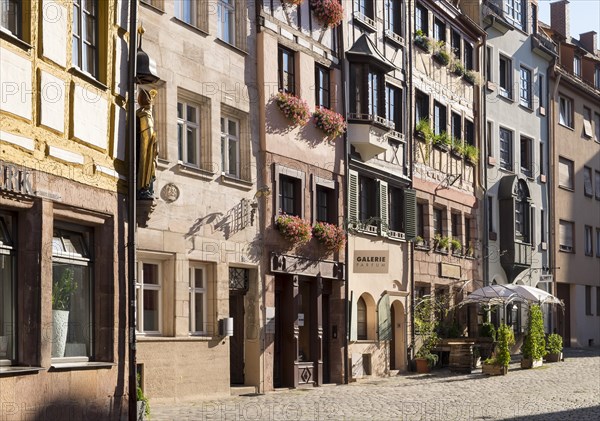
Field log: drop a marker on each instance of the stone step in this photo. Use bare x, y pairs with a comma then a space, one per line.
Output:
242, 390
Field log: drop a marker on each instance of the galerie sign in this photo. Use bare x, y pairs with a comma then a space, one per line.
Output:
370, 261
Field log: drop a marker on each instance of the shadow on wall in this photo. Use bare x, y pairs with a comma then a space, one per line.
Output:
70, 410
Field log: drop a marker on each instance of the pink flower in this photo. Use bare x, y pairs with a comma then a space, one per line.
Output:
294, 228
332, 236
332, 123
294, 108
329, 12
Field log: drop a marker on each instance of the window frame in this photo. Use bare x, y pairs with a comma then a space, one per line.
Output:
140, 287
85, 258
565, 115
368, 192
394, 24
577, 65
526, 148
570, 167
598, 244
184, 123
439, 30
396, 220
422, 19
194, 290
322, 86
393, 109
515, 12
296, 186
286, 70
362, 334
18, 20
8, 251
506, 163
588, 130
566, 248
230, 8
588, 300
226, 139
588, 240
597, 184
77, 38
588, 171
505, 78
440, 118
437, 226
525, 87
180, 11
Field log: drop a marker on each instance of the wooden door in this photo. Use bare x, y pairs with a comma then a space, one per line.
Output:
236, 342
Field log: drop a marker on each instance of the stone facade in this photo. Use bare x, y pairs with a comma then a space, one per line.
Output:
201, 232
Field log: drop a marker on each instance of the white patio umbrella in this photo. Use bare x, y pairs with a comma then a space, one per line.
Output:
504, 294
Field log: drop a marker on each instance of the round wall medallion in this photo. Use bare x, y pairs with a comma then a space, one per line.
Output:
169, 193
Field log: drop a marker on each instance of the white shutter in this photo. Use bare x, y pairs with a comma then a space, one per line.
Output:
383, 208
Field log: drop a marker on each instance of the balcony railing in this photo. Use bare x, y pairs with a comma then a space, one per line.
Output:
371, 118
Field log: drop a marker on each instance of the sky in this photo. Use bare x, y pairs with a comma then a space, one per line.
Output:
584, 15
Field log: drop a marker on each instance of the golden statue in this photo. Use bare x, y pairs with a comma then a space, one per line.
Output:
147, 146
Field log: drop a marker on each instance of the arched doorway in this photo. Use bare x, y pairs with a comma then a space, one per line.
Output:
398, 343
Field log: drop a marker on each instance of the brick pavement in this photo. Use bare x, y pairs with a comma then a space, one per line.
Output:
560, 391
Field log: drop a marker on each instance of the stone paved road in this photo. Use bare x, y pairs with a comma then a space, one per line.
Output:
560, 391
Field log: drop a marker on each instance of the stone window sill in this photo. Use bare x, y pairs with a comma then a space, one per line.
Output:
194, 172
232, 181
190, 338
88, 78
15, 40
81, 365
15, 371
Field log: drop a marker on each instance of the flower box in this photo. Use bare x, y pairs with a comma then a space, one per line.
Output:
330, 235
294, 108
554, 357
294, 228
329, 12
531, 363
330, 122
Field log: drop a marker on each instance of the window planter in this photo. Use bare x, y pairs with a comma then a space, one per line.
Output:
471, 153
422, 41
329, 12
531, 363
293, 228
442, 57
457, 68
442, 141
294, 108
494, 369
330, 235
330, 122
471, 77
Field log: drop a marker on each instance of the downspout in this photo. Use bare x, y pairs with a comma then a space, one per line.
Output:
409, 134
340, 35
552, 174
484, 184
131, 197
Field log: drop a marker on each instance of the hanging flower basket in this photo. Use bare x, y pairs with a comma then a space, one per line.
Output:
294, 108
332, 123
329, 12
330, 235
293, 228
293, 2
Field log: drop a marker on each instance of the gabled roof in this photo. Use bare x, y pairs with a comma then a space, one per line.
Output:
364, 50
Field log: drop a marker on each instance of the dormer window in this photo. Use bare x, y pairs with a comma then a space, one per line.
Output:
514, 12
577, 66
365, 87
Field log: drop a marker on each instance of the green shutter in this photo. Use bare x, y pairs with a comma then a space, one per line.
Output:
383, 208
410, 214
352, 198
385, 318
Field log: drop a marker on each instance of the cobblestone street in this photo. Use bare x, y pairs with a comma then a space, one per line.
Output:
558, 391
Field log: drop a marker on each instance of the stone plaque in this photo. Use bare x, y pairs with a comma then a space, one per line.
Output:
449, 271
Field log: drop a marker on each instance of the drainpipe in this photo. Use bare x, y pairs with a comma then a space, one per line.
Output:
409, 134
131, 198
340, 35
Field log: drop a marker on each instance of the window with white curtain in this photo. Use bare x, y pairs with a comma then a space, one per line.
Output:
565, 173
565, 236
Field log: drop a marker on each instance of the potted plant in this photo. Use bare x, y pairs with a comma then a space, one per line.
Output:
471, 153
457, 67
470, 251
440, 54
554, 347
456, 146
63, 286
293, 228
329, 12
442, 141
143, 406
330, 235
294, 108
420, 242
498, 363
423, 129
456, 246
441, 243
471, 77
426, 326
534, 346
422, 41
330, 122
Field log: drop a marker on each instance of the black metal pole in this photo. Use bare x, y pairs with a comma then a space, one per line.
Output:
131, 199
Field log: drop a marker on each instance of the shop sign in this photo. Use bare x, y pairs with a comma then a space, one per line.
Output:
371, 261
15, 179
448, 270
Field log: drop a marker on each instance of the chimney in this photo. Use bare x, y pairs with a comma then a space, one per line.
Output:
559, 17
589, 41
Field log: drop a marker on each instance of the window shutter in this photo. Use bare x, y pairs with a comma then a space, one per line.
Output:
384, 318
383, 207
352, 198
410, 214
587, 182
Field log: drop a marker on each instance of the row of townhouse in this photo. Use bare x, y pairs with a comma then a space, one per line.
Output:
435, 95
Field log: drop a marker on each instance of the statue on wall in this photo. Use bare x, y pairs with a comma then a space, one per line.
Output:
147, 146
